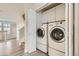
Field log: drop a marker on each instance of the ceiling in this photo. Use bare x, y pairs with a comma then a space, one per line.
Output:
10, 11
11, 7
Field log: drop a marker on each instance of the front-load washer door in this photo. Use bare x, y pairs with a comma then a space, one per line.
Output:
40, 33
42, 38
57, 34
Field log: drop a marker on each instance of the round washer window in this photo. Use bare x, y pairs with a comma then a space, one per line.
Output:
40, 32
57, 34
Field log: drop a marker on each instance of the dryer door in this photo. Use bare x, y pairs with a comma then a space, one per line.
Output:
40, 33
57, 34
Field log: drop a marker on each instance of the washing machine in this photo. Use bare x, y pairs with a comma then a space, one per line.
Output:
56, 38
42, 38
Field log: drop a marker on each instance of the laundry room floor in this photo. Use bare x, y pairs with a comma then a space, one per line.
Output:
36, 53
11, 48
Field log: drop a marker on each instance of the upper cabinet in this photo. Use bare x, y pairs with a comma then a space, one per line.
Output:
53, 12
49, 15
60, 12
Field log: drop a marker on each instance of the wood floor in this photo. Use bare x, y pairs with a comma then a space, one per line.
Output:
36, 53
10, 48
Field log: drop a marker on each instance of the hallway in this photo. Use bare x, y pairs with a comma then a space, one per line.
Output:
10, 48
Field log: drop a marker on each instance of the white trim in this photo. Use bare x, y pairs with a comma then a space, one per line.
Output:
71, 29
66, 29
76, 31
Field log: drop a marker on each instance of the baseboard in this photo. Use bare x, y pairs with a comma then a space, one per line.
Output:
42, 51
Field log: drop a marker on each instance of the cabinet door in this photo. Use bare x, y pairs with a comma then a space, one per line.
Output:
60, 12
49, 15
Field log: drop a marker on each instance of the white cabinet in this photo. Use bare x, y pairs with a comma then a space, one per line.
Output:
60, 12
49, 15
44, 17
55, 14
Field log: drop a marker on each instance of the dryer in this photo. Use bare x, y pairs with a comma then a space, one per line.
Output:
56, 38
42, 38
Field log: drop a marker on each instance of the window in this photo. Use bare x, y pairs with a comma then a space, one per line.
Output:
5, 27
0, 24
8, 25
8, 30
0, 28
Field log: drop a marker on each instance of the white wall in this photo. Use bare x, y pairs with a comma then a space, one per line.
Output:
39, 20
13, 12
0, 36
20, 24
30, 31
76, 30
22, 35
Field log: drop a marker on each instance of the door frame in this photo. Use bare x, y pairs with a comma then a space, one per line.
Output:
69, 16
